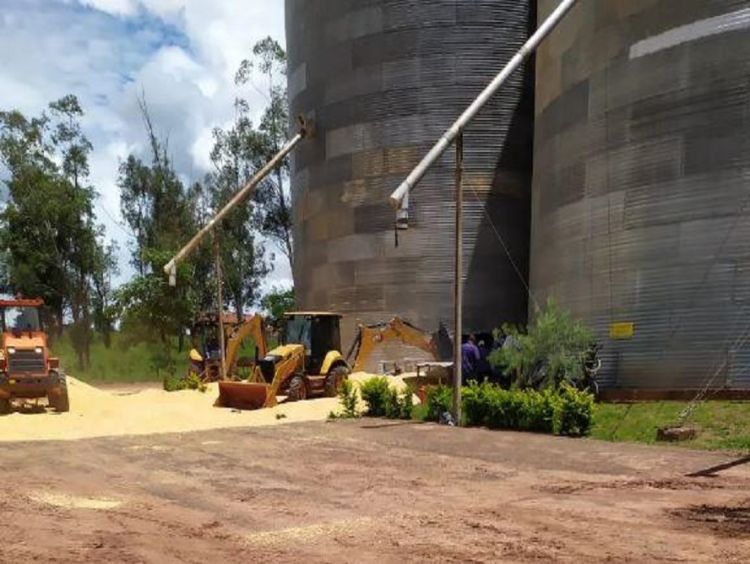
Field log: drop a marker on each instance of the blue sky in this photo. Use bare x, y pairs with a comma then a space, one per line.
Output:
182, 54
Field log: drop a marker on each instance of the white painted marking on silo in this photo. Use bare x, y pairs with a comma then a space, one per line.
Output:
690, 32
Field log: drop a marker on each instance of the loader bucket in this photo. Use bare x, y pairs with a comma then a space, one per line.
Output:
244, 395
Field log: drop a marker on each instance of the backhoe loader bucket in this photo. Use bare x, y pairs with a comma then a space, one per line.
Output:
244, 395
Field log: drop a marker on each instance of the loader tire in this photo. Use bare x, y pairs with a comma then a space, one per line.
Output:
297, 389
60, 402
5, 407
334, 380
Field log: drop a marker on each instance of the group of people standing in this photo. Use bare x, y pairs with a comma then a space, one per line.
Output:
475, 364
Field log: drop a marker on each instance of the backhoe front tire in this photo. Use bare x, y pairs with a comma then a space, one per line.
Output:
334, 380
5, 407
297, 389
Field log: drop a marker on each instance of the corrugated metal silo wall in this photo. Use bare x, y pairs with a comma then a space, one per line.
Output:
384, 79
641, 184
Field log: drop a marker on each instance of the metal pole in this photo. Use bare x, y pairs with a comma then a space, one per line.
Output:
449, 136
171, 267
458, 281
220, 298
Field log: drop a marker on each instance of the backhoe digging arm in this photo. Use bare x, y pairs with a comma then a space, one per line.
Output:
254, 328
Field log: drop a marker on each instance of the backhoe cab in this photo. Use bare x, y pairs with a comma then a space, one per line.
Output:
205, 353
308, 363
27, 370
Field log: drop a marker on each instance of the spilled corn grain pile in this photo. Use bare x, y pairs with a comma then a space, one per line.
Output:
101, 413
97, 413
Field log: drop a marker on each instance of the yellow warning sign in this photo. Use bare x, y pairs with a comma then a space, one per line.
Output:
622, 330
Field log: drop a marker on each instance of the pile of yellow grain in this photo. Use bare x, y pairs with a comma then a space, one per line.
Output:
99, 413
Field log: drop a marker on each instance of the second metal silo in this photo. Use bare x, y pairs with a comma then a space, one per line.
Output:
641, 186
383, 80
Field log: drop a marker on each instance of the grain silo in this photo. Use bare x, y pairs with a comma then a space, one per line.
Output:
383, 79
641, 185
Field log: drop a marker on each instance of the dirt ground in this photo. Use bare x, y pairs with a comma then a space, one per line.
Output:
369, 491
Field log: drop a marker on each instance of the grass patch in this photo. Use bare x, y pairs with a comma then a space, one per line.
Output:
119, 363
722, 425
125, 362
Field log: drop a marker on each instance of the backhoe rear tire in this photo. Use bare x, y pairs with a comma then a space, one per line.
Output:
335, 378
5, 407
297, 389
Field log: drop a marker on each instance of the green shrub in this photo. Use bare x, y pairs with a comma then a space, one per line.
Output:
538, 411
407, 404
566, 411
375, 393
175, 382
392, 404
439, 400
573, 412
383, 400
555, 340
399, 405
491, 406
348, 400
506, 409
475, 404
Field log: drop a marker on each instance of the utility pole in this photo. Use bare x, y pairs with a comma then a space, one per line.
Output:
458, 286
220, 306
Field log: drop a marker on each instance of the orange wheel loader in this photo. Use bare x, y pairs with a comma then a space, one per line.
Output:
27, 370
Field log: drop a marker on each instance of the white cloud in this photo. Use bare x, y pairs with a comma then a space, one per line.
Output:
181, 54
115, 7
201, 147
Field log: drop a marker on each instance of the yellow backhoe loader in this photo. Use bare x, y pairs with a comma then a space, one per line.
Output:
308, 363
370, 336
205, 354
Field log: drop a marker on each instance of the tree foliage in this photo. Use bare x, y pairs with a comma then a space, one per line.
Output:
151, 310
163, 215
103, 299
153, 200
52, 247
242, 257
273, 210
277, 302
48, 228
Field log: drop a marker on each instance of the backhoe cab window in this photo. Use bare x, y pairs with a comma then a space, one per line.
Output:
297, 332
21, 319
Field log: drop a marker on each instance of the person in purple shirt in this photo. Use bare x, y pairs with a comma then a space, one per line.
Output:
470, 358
